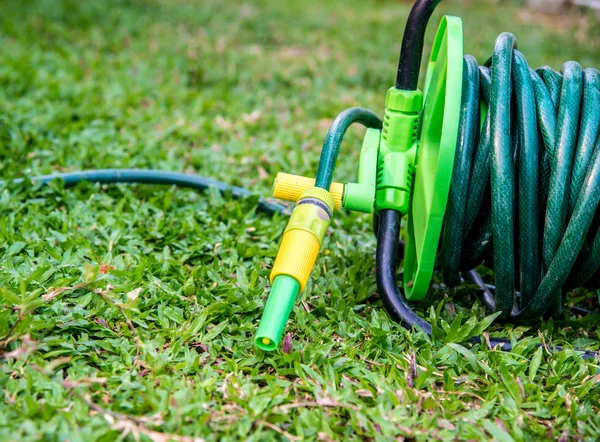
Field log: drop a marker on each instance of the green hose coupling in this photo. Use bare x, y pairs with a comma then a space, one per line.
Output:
295, 260
398, 149
360, 196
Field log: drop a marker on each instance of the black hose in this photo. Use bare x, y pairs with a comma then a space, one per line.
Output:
386, 265
411, 51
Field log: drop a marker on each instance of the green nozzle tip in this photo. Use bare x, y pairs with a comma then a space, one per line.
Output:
279, 306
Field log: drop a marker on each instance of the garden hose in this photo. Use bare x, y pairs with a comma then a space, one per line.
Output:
496, 165
503, 178
542, 194
331, 147
524, 191
149, 176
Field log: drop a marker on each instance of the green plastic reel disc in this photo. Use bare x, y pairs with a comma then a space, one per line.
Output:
435, 157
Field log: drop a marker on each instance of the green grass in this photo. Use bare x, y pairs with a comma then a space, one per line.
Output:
128, 311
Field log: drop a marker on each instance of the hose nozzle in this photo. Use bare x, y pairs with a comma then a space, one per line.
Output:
277, 311
295, 260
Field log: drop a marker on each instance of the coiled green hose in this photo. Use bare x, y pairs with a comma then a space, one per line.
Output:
526, 182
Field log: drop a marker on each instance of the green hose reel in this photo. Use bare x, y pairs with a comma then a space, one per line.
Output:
505, 200
435, 157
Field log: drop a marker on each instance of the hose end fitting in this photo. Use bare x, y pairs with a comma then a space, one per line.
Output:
279, 306
295, 260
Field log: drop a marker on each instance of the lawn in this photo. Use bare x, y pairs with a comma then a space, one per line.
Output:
128, 311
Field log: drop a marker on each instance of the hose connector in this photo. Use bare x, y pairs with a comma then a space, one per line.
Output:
295, 260
290, 187
303, 236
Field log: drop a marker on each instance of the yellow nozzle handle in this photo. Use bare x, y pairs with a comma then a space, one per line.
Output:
289, 187
295, 260
297, 255
303, 236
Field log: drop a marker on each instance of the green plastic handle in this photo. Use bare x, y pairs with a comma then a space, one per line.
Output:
277, 311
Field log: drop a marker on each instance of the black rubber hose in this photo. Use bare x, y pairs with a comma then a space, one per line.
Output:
411, 51
386, 265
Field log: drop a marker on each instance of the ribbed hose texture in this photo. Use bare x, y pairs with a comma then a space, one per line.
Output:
526, 183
